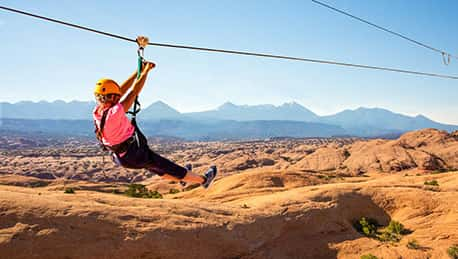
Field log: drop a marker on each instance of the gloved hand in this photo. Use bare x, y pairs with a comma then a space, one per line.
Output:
148, 66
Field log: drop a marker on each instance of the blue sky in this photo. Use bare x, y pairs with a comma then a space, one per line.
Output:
45, 61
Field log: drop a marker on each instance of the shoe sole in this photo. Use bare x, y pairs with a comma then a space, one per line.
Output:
189, 168
215, 171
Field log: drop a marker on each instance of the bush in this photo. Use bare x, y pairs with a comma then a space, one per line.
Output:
413, 244
393, 232
173, 191
140, 191
155, 195
396, 228
367, 227
453, 251
369, 256
433, 183
69, 190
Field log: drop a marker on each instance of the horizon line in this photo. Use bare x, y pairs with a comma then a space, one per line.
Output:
227, 102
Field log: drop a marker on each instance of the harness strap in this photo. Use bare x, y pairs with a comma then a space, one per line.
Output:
99, 130
119, 148
133, 121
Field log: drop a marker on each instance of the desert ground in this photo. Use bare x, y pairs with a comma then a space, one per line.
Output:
273, 198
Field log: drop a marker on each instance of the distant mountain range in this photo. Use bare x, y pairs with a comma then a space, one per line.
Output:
229, 111
228, 121
376, 121
74, 110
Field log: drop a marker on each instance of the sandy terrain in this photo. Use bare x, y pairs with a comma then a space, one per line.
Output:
274, 199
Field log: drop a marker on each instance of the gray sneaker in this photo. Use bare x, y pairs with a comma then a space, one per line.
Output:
209, 176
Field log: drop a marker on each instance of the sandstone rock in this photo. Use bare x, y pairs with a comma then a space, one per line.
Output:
323, 159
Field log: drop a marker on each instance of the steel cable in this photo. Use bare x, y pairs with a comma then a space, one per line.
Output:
445, 55
233, 51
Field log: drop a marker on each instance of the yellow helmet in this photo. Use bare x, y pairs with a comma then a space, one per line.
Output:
106, 86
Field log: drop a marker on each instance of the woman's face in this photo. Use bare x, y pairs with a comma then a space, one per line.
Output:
107, 100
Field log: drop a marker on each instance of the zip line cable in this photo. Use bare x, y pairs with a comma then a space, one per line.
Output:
233, 51
306, 60
445, 55
66, 23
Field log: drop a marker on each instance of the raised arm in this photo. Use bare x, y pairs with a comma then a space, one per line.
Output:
138, 86
124, 87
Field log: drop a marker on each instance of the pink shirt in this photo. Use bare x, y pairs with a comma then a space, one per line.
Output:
117, 126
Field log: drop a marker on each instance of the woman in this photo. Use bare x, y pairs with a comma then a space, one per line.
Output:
122, 136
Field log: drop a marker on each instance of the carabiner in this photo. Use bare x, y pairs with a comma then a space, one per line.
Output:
142, 42
140, 53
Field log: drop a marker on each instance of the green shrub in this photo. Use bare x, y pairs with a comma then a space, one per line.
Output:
432, 182
140, 191
453, 251
368, 227
173, 191
388, 237
69, 190
396, 228
393, 232
413, 244
155, 195
136, 190
369, 256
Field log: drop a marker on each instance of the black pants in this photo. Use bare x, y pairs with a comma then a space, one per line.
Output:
140, 156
